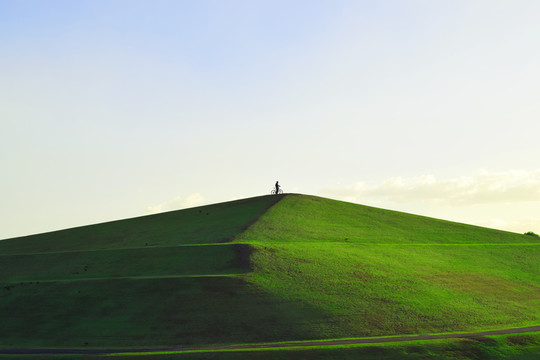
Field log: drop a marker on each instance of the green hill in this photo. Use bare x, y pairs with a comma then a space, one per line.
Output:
271, 268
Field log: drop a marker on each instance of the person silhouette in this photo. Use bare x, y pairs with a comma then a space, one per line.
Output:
277, 187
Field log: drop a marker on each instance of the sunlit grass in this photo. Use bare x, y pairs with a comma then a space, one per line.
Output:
329, 254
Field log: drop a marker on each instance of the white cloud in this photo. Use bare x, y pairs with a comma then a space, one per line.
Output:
177, 203
501, 200
483, 188
521, 225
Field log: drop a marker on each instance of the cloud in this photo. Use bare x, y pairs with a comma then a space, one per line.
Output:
483, 188
521, 225
177, 203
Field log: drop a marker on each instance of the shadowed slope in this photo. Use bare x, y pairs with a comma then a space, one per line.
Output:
152, 313
209, 224
219, 259
167, 279
178, 243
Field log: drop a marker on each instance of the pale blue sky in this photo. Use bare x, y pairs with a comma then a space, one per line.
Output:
114, 109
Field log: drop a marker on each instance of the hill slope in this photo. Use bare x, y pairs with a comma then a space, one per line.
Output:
318, 269
378, 272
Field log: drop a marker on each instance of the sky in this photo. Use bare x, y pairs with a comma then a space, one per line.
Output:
122, 108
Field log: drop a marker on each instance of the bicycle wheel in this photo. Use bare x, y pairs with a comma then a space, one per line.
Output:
273, 192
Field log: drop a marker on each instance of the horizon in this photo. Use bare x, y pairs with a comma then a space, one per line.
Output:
113, 110
246, 198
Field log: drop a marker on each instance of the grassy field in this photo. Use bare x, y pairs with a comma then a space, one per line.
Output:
273, 268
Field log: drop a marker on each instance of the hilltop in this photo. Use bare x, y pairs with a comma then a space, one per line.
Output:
270, 268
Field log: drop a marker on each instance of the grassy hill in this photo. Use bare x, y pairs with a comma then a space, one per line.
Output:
271, 268
377, 272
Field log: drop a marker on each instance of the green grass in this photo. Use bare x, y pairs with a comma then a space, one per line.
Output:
146, 262
274, 268
144, 313
201, 225
301, 218
360, 266
164, 279
511, 347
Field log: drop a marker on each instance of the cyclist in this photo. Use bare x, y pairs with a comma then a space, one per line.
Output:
277, 187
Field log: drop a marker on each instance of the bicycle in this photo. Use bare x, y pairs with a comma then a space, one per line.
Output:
273, 192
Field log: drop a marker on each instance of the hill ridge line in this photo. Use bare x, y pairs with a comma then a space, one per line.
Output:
21, 244
121, 249
248, 225
233, 242
29, 282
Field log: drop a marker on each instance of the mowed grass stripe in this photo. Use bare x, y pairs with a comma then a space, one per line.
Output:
330, 343
522, 346
406, 245
13, 285
126, 248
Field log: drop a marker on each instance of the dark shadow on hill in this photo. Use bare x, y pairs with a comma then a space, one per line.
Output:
243, 253
271, 200
220, 259
148, 313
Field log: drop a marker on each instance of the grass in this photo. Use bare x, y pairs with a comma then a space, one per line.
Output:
143, 313
300, 218
201, 225
512, 347
156, 280
370, 291
150, 262
329, 254
259, 270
